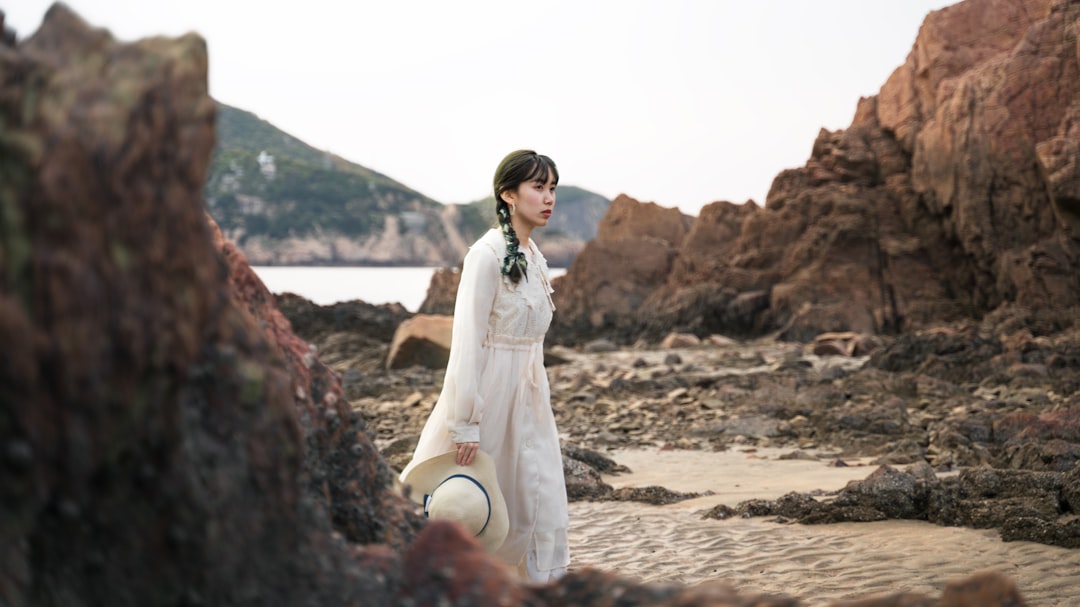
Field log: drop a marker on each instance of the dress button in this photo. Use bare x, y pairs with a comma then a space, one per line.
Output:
528, 444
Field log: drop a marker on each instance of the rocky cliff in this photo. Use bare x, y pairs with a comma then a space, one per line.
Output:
631, 256
955, 189
166, 439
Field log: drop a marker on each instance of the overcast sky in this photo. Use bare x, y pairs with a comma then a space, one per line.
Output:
678, 102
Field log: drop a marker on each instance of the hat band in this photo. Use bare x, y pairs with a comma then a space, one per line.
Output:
427, 497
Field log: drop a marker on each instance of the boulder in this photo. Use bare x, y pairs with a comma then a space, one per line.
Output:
679, 340
421, 340
442, 292
351, 336
845, 343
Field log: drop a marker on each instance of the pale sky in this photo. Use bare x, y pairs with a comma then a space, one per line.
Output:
678, 102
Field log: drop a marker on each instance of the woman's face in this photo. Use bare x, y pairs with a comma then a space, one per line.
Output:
533, 201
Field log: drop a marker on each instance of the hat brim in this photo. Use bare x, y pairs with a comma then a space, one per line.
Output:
425, 476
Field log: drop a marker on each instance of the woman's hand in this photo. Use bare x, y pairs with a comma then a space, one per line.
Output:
466, 453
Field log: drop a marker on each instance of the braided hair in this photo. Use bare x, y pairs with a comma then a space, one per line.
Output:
517, 168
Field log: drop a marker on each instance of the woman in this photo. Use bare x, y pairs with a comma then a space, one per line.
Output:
495, 396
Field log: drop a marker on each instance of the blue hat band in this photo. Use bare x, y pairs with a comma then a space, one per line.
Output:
427, 497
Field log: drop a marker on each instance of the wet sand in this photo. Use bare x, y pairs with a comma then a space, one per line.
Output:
816, 563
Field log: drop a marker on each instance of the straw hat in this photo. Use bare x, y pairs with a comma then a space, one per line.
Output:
467, 494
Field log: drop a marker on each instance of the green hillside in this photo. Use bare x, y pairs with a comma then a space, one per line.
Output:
577, 213
284, 202
243, 131
296, 190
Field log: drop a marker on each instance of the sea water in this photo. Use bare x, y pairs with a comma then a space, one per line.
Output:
374, 285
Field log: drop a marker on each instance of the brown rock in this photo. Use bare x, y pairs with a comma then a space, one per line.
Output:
315, 323
702, 293
347, 475
7, 35
721, 340
904, 599
442, 292
589, 586
830, 347
866, 345
583, 482
845, 343
159, 430
447, 566
987, 588
421, 340
952, 192
351, 337
680, 340
628, 219
630, 257
1059, 155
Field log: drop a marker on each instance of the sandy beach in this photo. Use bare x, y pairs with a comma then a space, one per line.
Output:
682, 429
815, 563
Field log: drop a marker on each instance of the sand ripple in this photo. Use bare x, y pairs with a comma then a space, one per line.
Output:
816, 563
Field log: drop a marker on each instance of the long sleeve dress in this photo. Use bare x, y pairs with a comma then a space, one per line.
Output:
496, 393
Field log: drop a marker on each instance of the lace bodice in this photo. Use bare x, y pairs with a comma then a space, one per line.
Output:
521, 310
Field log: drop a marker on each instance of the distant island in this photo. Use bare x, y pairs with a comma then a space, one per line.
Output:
284, 202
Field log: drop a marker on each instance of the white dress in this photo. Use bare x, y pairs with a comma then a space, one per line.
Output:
496, 393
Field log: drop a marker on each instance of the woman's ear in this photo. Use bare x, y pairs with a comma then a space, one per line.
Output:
508, 196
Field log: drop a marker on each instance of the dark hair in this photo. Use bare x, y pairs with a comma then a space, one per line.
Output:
517, 168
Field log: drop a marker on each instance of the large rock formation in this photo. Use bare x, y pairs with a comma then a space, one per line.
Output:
344, 472
157, 447
953, 191
630, 257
